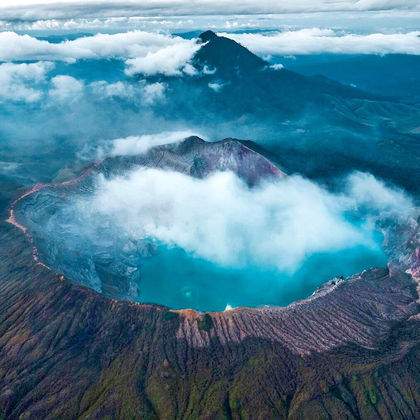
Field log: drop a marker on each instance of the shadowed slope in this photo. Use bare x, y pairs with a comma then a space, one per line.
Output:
67, 352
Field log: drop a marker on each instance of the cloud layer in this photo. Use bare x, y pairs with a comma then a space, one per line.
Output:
318, 41
148, 53
152, 53
31, 83
66, 9
172, 60
135, 145
18, 82
276, 225
66, 88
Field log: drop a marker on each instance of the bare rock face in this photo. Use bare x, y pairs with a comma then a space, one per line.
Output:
199, 158
355, 311
351, 350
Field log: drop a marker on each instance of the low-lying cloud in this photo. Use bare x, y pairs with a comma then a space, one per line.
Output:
113, 90
20, 82
145, 52
275, 225
217, 87
31, 83
368, 193
135, 145
172, 60
318, 41
66, 88
138, 92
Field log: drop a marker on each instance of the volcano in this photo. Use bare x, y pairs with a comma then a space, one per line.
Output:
68, 350
140, 263
287, 114
124, 278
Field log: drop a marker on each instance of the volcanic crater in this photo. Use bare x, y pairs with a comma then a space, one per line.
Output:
141, 268
331, 352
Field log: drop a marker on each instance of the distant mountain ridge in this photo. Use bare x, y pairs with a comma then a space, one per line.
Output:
231, 59
237, 94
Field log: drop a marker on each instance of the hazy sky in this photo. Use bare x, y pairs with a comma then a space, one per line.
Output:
172, 15
72, 8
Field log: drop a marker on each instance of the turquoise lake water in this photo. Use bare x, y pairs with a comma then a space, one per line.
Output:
175, 279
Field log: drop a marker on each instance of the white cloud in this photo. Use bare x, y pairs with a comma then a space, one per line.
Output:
67, 9
66, 88
391, 20
277, 66
171, 60
207, 70
113, 90
384, 4
317, 41
18, 81
138, 92
368, 192
135, 145
221, 219
153, 53
144, 52
215, 86
153, 92
134, 44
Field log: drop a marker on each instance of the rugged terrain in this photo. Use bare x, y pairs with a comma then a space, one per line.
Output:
351, 350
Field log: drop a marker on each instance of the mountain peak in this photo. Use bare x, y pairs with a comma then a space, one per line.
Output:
226, 55
207, 36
